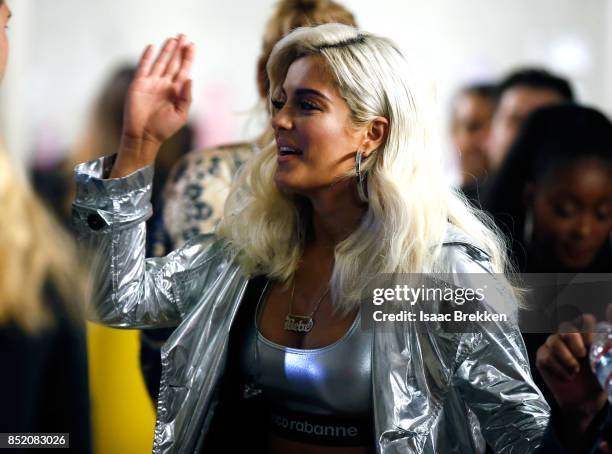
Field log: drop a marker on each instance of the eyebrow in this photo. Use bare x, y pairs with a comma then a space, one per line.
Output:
309, 91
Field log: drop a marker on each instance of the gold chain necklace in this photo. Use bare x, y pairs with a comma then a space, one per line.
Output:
301, 323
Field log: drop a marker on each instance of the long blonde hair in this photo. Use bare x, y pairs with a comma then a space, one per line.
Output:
36, 255
410, 201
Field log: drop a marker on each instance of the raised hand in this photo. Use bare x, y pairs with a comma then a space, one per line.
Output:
157, 104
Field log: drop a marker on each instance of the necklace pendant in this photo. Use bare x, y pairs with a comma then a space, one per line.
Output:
298, 323
250, 390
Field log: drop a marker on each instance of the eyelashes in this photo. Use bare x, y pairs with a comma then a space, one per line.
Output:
569, 211
306, 106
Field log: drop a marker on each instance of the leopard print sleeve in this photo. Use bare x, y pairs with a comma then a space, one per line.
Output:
197, 188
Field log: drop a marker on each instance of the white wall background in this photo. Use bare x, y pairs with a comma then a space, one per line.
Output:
63, 50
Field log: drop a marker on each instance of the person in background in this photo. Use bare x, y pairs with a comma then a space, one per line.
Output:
582, 419
43, 384
56, 185
472, 113
553, 194
520, 93
196, 191
553, 199
53, 183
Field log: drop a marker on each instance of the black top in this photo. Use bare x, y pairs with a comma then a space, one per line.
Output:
44, 381
237, 416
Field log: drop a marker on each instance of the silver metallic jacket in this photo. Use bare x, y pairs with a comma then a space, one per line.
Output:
433, 392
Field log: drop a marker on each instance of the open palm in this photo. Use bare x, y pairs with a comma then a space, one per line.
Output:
159, 97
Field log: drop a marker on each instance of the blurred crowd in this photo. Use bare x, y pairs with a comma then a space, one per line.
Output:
532, 157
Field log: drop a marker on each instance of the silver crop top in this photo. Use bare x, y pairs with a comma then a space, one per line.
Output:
331, 380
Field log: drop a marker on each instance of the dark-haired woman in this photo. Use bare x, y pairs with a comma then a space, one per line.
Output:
553, 195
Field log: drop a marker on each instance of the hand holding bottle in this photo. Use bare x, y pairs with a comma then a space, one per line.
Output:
575, 364
564, 364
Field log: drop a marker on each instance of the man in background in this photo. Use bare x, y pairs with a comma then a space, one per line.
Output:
472, 114
519, 94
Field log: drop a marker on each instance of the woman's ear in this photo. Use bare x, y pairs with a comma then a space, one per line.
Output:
375, 135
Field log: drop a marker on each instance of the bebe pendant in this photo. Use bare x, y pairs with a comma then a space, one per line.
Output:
298, 323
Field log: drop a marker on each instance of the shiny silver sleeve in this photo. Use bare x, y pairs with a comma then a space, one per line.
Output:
445, 391
496, 385
495, 381
127, 291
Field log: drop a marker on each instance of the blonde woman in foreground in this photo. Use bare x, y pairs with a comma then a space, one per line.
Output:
269, 355
43, 356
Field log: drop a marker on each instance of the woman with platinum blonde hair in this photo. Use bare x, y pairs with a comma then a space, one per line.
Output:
269, 347
43, 355
405, 201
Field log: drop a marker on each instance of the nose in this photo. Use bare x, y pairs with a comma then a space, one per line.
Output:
584, 226
281, 119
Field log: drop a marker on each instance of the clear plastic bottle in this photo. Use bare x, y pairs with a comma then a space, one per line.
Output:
601, 356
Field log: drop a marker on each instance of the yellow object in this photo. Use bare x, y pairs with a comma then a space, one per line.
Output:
123, 417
